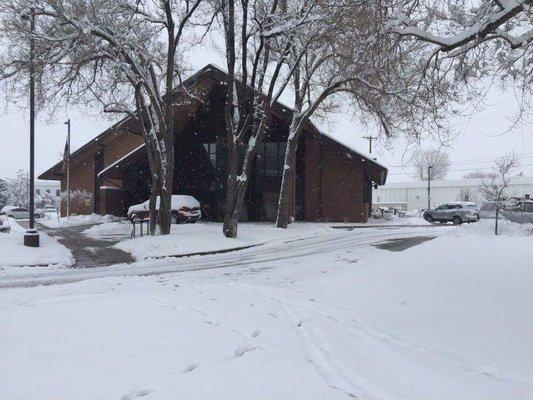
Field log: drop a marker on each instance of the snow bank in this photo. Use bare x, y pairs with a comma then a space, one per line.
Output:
204, 237
78, 220
485, 227
117, 228
13, 253
448, 319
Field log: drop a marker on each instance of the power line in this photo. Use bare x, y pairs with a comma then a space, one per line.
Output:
461, 170
475, 161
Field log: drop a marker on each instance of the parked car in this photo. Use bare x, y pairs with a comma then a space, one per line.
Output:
488, 210
16, 212
39, 213
22, 212
456, 212
520, 211
4, 222
185, 209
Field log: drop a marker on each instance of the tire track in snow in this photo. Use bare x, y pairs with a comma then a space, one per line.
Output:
320, 244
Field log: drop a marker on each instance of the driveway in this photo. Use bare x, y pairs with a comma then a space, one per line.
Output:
340, 241
88, 252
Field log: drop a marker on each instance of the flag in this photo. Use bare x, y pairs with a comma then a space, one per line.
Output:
66, 154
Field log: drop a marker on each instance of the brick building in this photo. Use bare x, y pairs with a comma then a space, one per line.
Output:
110, 173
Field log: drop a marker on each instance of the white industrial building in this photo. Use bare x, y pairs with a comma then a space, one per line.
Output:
414, 195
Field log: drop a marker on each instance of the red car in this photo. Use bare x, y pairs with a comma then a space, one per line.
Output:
185, 209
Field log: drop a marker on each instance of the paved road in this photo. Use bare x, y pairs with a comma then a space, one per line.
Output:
249, 258
87, 252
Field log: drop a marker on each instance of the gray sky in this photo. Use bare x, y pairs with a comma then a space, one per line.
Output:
481, 137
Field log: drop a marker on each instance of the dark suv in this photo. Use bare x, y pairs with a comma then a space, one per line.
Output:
457, 212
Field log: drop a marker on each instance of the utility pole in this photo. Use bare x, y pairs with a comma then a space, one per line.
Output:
429, 186
67, 156
31, 238
370, 139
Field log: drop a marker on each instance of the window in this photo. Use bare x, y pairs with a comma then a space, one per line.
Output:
451, 207
528, 207
58, 193
211, 149
269, 166
48, 191
37, 191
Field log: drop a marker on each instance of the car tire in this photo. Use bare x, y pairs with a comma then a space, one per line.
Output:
457, 220
174, 220
429, 218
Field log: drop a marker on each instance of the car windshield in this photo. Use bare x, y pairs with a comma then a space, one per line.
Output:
471, 207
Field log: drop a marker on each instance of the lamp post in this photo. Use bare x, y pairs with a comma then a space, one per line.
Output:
66, 157
31, 238
429, 186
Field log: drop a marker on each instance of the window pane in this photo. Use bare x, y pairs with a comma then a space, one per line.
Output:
271, 149
271, 166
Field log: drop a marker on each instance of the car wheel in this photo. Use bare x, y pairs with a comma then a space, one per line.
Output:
174, 220
457, 220
428, 218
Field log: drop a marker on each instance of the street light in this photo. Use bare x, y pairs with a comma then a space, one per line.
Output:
31, 238
429, 186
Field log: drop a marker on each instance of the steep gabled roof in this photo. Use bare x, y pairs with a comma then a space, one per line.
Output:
378, 171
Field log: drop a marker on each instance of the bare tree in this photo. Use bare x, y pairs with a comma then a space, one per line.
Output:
495, 188
433, 161
122, 55
348, 53
478, 175
476, 42
257, 40
18, 190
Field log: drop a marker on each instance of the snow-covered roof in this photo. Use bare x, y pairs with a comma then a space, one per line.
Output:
191, 80
116, 164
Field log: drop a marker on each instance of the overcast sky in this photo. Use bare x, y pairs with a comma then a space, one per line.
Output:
481, 137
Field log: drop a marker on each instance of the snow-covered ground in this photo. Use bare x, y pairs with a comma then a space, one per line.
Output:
13, 253
76, 220
207, 236
204, 237
448, 319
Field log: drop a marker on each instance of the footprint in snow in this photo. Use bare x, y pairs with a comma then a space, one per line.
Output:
190, 368
272, 315
135, 393
256, 333
241, 350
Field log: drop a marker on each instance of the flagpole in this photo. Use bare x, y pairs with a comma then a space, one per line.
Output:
68, 167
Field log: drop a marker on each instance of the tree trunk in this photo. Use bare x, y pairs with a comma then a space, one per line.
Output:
288, 179
288, 182
152, 206
496, 218
240, 193
165, 208
230, 227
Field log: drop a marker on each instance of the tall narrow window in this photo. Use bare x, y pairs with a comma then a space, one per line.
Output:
211, 150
